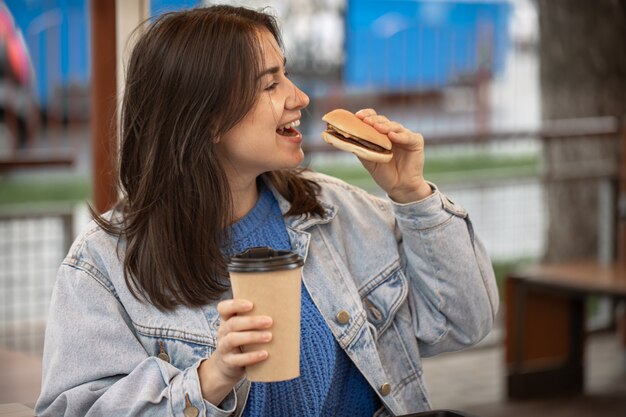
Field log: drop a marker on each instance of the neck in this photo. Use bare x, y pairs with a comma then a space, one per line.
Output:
245, 195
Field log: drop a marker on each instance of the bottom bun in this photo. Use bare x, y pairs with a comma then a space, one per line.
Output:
359, 151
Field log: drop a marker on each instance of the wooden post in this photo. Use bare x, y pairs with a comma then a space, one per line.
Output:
621, 198
103, 103
621, 238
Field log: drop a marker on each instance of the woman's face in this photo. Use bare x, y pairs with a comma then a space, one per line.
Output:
266, 138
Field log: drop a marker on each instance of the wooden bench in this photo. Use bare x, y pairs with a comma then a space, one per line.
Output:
545, 324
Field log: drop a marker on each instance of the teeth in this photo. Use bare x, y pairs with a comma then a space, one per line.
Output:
289, 125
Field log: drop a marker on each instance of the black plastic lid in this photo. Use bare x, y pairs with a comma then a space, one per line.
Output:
264, 259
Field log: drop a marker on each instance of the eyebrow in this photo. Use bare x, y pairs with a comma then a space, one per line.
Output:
272, 70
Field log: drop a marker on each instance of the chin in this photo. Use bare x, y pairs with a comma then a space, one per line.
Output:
293, 163
300, 158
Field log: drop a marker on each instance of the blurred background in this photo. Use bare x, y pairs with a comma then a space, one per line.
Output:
521, 103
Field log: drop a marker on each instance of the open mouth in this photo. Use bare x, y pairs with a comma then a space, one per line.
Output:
288, 129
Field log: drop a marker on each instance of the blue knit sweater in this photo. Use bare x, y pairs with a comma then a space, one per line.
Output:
329, 383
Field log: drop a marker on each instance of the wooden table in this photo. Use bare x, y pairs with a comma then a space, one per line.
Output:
545, 324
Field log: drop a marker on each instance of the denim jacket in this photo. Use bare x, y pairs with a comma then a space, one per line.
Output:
413, 279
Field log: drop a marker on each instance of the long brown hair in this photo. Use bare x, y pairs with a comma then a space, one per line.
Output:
191, 77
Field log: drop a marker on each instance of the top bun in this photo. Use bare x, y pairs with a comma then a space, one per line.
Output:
347, 122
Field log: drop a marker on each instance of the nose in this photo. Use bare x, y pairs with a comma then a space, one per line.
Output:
297, 99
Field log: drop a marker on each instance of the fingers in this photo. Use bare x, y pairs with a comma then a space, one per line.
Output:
241, 360
380, 122
398, 134
230, 308
244, 323
232, 312
385, 126
237, 330
363, 113
408, 139
234, 341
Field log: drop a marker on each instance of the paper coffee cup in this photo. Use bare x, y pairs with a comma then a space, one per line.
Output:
271, 280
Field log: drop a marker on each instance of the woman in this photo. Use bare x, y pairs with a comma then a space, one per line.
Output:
142, 319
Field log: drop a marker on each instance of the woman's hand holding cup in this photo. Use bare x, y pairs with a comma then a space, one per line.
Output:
219, 373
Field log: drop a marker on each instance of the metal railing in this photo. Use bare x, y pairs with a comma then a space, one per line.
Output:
33, 243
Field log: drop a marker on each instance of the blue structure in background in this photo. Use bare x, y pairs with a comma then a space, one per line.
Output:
391, 45
161, 6
423, 45
57, 35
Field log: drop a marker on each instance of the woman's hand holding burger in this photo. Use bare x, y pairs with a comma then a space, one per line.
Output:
399, 172
403, 177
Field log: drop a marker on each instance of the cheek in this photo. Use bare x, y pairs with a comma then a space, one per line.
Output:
263, 118
275, 107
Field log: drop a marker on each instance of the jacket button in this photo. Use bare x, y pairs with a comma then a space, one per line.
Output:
343, 317
163, 354
385, 389
190, 411
376, 314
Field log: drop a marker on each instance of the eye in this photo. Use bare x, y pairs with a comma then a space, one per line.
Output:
274, 84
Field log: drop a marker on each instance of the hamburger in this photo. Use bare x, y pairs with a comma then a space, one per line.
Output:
348, 133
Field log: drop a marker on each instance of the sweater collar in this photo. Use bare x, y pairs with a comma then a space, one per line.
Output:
259, 212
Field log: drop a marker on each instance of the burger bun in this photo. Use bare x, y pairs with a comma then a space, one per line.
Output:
348, 133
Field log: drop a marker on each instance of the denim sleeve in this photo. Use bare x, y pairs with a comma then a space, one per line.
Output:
453, 291
93, 364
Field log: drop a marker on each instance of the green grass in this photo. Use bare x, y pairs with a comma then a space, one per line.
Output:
481, 167
447, 168
439, 168
44, 189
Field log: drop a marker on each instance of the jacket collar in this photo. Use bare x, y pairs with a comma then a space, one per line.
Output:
303, 221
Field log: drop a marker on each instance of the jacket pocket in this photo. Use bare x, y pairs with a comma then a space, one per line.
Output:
383, 296
178, 351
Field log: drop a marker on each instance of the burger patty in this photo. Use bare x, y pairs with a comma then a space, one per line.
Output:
356, 141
